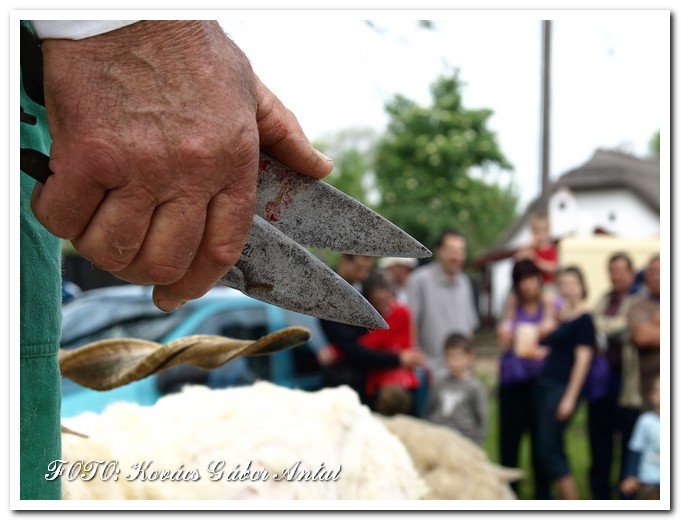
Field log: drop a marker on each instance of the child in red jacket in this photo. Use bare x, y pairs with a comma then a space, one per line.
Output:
399, 338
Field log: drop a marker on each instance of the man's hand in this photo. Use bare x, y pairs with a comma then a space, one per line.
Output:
412, 359
326, 356
156, 133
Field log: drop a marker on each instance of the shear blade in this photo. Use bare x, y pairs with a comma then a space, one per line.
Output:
317, 215
275, 269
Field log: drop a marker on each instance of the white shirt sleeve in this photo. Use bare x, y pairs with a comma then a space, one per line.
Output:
76, 29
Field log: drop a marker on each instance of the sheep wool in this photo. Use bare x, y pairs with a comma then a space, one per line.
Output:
453, 466
224, 435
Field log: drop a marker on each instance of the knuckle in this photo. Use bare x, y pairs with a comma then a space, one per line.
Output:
105, 261
241, 194
279, 131
198, 150
64, 222
160, 273
96, 160
109, 249
222, 258
245, 152
102, 158
59, 227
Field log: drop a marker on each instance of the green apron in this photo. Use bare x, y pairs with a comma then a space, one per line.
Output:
40, 308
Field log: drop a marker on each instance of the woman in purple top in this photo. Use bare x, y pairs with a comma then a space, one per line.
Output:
530, 316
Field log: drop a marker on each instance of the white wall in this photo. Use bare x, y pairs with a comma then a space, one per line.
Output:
620, 212
501, 285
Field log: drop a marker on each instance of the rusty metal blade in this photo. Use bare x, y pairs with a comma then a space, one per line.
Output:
317, 215
275, 269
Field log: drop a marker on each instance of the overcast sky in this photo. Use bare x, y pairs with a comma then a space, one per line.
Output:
609, 82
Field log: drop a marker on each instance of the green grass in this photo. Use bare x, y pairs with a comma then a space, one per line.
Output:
576, 446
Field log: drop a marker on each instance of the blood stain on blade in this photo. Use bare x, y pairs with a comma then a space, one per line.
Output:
287, 192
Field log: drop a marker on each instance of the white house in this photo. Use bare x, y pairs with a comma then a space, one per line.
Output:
612, 193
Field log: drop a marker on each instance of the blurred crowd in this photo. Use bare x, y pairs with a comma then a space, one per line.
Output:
554, 353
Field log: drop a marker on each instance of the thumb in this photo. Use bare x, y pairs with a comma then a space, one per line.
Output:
282, 137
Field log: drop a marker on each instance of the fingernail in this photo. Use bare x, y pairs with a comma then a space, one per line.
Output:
323, 156
169, 305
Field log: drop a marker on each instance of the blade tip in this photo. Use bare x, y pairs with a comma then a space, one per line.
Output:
418, 251
421, 253
377, 323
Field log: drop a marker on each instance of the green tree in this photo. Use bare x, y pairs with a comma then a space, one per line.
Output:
427, 165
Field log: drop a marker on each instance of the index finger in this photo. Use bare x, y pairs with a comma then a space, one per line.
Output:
282, 137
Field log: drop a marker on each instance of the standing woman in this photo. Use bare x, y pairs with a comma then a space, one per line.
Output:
528, 310
560, 383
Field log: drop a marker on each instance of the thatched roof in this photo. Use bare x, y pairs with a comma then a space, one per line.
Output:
607, 169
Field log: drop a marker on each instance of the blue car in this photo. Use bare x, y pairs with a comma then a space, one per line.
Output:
128, 311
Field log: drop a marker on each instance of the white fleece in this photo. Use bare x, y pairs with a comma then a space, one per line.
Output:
272, 427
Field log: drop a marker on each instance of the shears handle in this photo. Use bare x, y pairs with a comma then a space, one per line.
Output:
31, 60
35, 164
